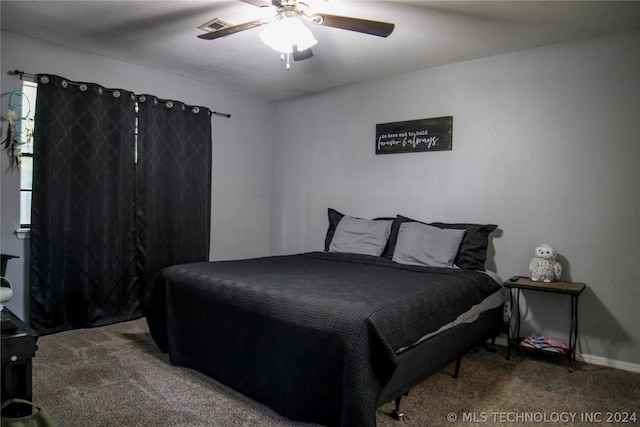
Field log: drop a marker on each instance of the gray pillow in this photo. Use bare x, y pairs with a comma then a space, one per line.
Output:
428, 246
360, 236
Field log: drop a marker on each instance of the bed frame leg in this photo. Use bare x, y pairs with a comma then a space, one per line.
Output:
491, 347
457, 371
396, 414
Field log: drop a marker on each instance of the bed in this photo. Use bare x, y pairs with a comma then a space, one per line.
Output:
325, 337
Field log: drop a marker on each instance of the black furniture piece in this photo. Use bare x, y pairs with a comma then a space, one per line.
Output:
5, 259
5, 296
320, 337
572, 289
18, 348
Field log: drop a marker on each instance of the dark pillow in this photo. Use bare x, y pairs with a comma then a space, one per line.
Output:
473, 249
393, 236
334, 219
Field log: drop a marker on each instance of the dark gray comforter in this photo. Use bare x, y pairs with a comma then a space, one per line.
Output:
313, 335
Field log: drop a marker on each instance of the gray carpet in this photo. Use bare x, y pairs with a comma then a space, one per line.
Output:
115, 376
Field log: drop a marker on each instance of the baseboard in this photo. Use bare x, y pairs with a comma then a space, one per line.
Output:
609, 363
501, 340
591, 359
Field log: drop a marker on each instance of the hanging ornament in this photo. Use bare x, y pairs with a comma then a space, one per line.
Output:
16, 126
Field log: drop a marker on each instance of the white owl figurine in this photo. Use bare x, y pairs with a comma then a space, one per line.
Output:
544, 266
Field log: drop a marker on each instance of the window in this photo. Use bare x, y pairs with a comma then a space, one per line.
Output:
23, 131
24, 128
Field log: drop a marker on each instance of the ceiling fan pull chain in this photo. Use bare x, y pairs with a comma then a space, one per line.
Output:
287, 65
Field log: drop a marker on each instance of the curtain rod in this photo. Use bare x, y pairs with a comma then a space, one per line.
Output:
34, 78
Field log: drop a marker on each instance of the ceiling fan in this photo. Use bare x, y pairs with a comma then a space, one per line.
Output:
287, 34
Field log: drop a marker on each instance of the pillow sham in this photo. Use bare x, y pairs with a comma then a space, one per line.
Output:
473, 249
472, 253
334, 218
360, 236
427, 246
395, 229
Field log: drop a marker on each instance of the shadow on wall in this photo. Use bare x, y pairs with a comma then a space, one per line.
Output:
566, 268
490, 263
596, 320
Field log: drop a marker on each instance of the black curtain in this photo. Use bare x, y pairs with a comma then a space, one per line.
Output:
173, 185
112, 205
83, 224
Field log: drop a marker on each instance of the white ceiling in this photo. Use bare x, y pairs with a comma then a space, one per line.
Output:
163, 35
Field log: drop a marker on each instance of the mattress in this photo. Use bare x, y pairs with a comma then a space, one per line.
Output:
492, 301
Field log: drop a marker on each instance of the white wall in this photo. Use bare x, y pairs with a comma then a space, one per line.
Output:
545, 144
242, 147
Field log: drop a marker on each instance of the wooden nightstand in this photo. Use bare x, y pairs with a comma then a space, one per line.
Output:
568, 288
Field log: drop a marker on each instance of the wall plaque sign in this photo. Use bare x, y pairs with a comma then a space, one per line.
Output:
414, 135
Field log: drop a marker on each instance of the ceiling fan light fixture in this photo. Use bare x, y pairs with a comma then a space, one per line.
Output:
285, 32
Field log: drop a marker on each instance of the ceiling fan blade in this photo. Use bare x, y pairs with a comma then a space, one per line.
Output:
258, 3
375, 28
230, 30
300, 55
